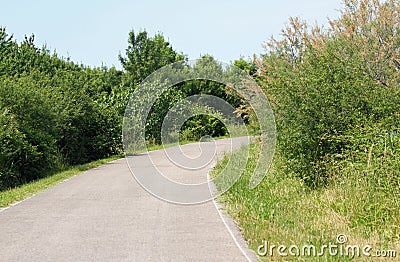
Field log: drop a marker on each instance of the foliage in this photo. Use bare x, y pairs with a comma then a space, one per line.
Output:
28, 133
335, 95
162, 86
56, 113
327, 84
144, 55
200, 126
52, 112
17, 155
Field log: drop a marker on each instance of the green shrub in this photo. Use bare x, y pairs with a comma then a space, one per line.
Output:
200, 126
17, 156
54, 113
327, 85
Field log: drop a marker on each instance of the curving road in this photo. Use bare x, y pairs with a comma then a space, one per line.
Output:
104, 215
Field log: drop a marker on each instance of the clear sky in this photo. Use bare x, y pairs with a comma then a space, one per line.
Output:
95, 32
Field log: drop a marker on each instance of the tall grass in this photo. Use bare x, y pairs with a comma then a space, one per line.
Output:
284, 210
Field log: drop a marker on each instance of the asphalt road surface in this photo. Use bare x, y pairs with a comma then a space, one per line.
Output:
105, 215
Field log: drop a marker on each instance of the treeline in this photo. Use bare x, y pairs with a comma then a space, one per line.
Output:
336, 95
55, 113
334, 91
51, 112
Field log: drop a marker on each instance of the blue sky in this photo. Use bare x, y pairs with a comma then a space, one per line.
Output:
94, 32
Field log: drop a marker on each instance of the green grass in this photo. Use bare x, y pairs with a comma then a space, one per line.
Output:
13, 195
284, 211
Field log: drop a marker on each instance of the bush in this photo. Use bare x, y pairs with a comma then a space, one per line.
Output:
17, 155
27, 133
53, 112
327, 85
200, 126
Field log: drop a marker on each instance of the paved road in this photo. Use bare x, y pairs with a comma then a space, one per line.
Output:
104, 215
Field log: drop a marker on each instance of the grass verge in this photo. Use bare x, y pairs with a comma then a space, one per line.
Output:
13, 195
282, 210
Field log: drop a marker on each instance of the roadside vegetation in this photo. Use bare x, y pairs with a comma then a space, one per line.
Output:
334, 90
56, 114
335, 93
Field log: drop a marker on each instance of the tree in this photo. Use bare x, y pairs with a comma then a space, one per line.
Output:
145, 55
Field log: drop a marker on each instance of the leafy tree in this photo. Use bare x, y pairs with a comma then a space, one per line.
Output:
249, 67
145, 55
